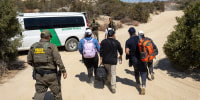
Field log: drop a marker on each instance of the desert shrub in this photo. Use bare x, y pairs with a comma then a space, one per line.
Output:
3, 68
103, 27
182, 46
9, 28
159, 5
135, 23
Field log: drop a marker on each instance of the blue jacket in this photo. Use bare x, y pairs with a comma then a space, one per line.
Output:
82, 41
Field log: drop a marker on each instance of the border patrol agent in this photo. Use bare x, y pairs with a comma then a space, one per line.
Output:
95, 25
111, 24
44, 57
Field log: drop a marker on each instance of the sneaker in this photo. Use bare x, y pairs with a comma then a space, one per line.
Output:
113, 90
91, 81
152, 76
143, 90
148, 78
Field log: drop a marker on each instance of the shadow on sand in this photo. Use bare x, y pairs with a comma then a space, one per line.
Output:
48, 96
84, 78
165, 65
127, 81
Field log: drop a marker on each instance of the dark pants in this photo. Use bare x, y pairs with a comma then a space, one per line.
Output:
150, 66
91, 64
140, 69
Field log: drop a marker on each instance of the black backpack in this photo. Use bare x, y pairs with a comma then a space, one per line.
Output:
101, 73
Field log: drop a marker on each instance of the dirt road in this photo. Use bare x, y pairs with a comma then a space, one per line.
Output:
167, 84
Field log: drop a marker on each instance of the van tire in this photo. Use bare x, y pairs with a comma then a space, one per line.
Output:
71, 44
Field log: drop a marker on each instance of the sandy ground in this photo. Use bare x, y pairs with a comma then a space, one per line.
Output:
168, 85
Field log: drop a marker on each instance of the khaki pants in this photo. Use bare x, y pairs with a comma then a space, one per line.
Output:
42, 84
111, 77
96, 34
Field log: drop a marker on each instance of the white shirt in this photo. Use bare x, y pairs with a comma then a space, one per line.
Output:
106, 31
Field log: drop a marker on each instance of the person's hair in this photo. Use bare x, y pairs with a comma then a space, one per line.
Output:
111, 33
87, 35
133, 33
142, 36
43, 36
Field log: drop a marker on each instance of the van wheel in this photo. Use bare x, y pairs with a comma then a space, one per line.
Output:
71, 44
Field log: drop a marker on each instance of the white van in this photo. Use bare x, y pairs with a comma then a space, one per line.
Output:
67, 28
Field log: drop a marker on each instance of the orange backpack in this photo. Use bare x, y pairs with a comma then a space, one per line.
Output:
146, 50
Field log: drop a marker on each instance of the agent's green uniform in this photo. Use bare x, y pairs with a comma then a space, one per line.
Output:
45, 58
112, 25
95, 29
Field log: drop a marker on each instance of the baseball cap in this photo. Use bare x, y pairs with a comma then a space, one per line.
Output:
45, 33
131, 30
88, 32
140, 33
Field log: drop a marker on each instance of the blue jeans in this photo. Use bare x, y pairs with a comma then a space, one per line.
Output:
143, 77
140, 70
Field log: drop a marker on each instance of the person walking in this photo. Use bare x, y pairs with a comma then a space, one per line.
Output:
155, 49
88, 47
95, 27
133, 54
44, 57
109, 57
107, 29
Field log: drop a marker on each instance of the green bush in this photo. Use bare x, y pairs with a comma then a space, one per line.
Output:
9, 28
91, 10
114, 8
159, 5
182, 46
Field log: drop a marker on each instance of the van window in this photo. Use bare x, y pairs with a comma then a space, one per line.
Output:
53, 22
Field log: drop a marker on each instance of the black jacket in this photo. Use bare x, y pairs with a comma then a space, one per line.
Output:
108, 51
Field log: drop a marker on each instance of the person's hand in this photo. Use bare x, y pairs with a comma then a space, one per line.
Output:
101, 62
120, 57
64, 75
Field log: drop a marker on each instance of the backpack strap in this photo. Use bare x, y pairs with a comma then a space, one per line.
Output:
46, 46
89, 40
142, 49
35, 45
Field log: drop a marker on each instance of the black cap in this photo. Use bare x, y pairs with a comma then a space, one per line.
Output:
131, 30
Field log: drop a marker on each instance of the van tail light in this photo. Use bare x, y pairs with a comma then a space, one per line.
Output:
87, 22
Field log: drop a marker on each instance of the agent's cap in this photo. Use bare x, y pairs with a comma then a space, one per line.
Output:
45, 34
131, 30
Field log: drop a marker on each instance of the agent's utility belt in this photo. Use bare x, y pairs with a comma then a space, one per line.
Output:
46, 71
41, 64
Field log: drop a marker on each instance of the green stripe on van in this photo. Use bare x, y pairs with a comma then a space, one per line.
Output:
71, 28
55, 40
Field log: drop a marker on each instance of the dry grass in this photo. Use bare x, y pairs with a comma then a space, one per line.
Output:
135, 23
129, 21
